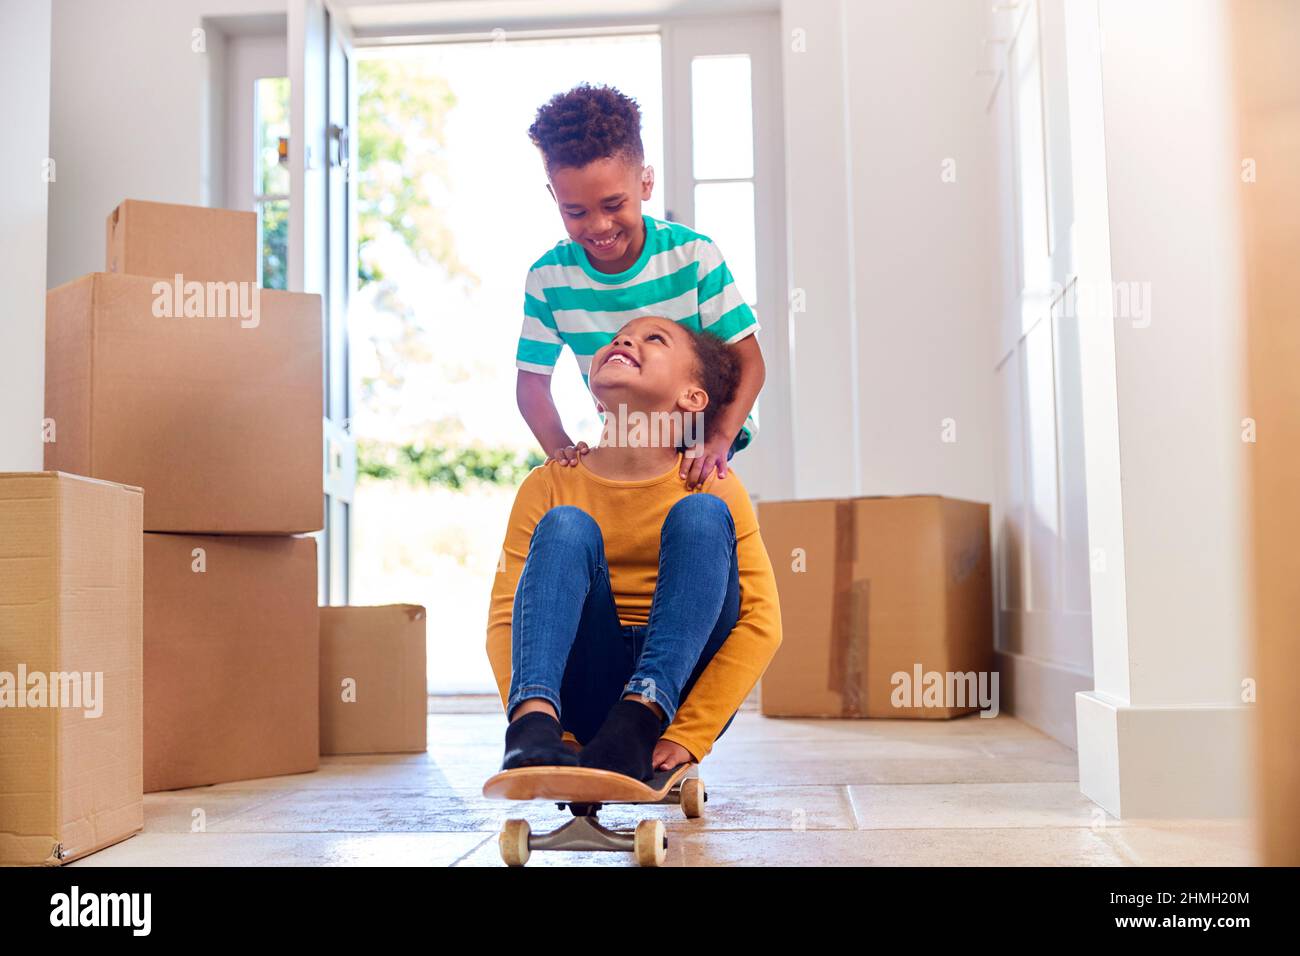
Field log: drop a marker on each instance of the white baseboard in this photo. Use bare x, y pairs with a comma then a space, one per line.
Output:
1041, 694
1164, 762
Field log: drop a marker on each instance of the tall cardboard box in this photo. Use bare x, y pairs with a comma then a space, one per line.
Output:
373, 692
880, 598
70, 667
164, 239
217, 419
231, 659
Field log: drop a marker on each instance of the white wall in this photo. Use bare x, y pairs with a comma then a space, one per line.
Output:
897, 266
131, 114
824, 402
924, 255
25, 80
1124, 126
1174, 224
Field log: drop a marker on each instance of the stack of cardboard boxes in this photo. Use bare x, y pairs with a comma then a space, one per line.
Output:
176, 373
158, 596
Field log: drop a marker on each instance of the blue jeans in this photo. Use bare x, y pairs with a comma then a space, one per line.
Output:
567, 645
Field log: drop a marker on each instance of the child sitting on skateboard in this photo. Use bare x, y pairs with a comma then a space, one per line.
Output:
629, 612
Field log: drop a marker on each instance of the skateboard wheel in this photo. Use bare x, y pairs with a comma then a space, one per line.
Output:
692, 797
514, 842
650, 843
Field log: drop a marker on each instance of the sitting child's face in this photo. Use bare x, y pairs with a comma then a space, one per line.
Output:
601, 207
649, 366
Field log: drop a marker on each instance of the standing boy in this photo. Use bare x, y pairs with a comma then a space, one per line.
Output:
617, 264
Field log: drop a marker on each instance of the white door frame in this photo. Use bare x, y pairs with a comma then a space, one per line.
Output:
322, 222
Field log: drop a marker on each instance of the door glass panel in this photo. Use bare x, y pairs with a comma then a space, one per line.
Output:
271, 102
722, 120
1031, 160
273, 233
725, 213
271, 178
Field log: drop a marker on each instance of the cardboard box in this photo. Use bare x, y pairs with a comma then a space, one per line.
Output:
231, 659
219, 423
886, 607
70, 667
373, 693
162, 239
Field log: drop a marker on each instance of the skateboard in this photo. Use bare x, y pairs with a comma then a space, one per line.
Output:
584, 790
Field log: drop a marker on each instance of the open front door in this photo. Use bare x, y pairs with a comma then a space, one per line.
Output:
322, 247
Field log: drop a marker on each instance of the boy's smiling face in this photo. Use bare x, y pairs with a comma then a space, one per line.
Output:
649, 366
601, 208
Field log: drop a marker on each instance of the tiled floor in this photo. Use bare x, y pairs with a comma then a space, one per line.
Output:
971, 791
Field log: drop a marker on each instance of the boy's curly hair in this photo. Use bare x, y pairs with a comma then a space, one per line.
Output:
718, 372
585, 124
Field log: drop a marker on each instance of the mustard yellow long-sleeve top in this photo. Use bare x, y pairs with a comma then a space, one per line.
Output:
631, 515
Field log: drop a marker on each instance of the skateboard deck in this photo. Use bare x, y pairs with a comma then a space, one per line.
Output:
584, 790
582, 785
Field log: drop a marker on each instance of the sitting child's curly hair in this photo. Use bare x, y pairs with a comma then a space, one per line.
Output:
586, 124
718, 372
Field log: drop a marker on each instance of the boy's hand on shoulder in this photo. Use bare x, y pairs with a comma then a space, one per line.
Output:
568, 455
712, 457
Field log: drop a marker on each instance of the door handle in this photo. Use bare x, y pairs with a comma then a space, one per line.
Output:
341, 156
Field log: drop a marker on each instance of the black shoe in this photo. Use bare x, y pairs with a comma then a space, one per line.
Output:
625, 742
536, 740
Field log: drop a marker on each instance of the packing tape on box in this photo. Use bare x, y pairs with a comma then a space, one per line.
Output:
850, 605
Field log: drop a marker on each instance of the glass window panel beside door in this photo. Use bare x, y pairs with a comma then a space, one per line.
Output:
722, 118
725, 213
271, 178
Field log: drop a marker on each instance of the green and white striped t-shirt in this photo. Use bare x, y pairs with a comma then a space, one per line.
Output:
679, 275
